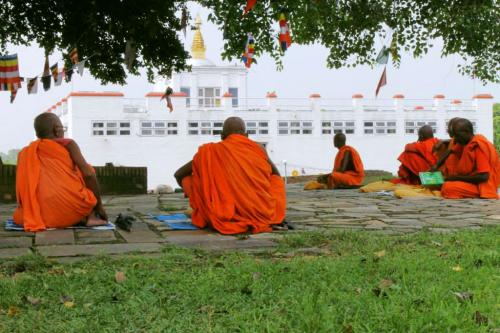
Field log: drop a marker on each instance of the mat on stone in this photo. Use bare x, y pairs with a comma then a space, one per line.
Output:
176, 221
11, 226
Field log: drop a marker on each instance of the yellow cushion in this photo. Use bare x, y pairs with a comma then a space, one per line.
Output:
378, 186
314, 185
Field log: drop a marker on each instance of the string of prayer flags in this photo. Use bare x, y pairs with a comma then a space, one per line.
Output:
249, 6
73, 55
166, 95
383, 56
184, 21
249, 51
32, 85
382, 82
46, 75
284, 36
9, 73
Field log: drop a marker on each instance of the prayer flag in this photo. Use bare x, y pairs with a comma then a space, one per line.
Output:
68, 73
129, 55
381, 82
249, 51
13, 95
249, 6
55, 71
80, 67
73, 55
9, 73
166, 95
184, 20
383, 56
33, 85
284, 36
59, 77
46, 75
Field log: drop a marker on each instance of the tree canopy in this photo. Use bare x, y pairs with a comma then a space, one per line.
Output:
352, 30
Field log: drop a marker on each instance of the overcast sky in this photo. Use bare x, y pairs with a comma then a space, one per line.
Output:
305, 72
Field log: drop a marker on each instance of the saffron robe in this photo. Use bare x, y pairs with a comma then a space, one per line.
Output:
450, 165
51, 192
232, 188
417, 157
478, 156
354, 174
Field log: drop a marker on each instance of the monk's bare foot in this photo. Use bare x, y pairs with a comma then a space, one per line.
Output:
94, 221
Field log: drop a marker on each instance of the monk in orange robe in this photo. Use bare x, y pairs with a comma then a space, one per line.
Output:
55, 186
448, 152
232, 185
417, 157
477, 173
348, 170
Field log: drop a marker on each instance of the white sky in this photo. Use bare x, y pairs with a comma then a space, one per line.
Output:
304, 72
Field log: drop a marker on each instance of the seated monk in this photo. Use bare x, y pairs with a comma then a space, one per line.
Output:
232, 185
477, 173
417, 157
55, 186
448, 152
348, 171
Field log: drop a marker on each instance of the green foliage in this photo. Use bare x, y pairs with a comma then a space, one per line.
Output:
349, 29
357, 282
10, 157
100, 30
496, 125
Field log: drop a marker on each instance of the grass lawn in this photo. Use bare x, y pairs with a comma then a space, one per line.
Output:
349, 282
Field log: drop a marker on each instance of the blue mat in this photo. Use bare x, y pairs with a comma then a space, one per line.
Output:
176, 221
11, 226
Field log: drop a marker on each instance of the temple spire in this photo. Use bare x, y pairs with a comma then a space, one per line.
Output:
198, 47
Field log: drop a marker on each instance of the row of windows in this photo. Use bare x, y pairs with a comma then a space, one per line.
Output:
210, 96
292, 127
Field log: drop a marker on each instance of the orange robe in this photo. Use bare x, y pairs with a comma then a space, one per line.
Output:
232, 188
478, 156
450, 165
50, 189
353, 176
417, 157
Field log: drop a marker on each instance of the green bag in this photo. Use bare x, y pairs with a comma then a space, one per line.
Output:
431, 178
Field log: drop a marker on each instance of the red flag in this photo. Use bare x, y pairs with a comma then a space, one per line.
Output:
382, 82
249, 6
73, 55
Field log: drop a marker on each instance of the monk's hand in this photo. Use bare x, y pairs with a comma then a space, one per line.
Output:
433, 169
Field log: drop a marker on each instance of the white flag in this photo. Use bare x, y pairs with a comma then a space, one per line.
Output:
80, 67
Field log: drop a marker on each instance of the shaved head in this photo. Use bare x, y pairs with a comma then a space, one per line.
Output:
339, 140
233, 125
463, 130
425, 132
450, 126
47, 125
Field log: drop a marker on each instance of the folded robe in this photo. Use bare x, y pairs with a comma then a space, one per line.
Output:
417, 157
51, 192
232, 188
478, 156
353, 176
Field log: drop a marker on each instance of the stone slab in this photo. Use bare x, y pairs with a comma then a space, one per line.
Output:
14, 253
140, 233
98, 249
95, 236
55, 237
9, 242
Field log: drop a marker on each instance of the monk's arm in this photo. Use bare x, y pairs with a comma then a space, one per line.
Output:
274, 169
345, 162
184, 171
440, 162
88, 176
474, 179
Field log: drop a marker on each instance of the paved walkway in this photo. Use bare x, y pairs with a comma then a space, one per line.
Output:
307, 210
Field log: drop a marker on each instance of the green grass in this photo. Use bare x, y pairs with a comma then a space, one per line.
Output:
288, 290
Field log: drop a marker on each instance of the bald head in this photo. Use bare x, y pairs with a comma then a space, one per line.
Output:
233, 125
463, 131
48, 126
339, 140
450, 126
425, 132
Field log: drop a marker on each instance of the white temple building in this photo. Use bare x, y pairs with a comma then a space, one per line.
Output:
296, 132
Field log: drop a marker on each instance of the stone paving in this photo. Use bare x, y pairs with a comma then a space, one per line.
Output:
307, 210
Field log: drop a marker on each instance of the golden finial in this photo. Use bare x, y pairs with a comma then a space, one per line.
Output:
198, 48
